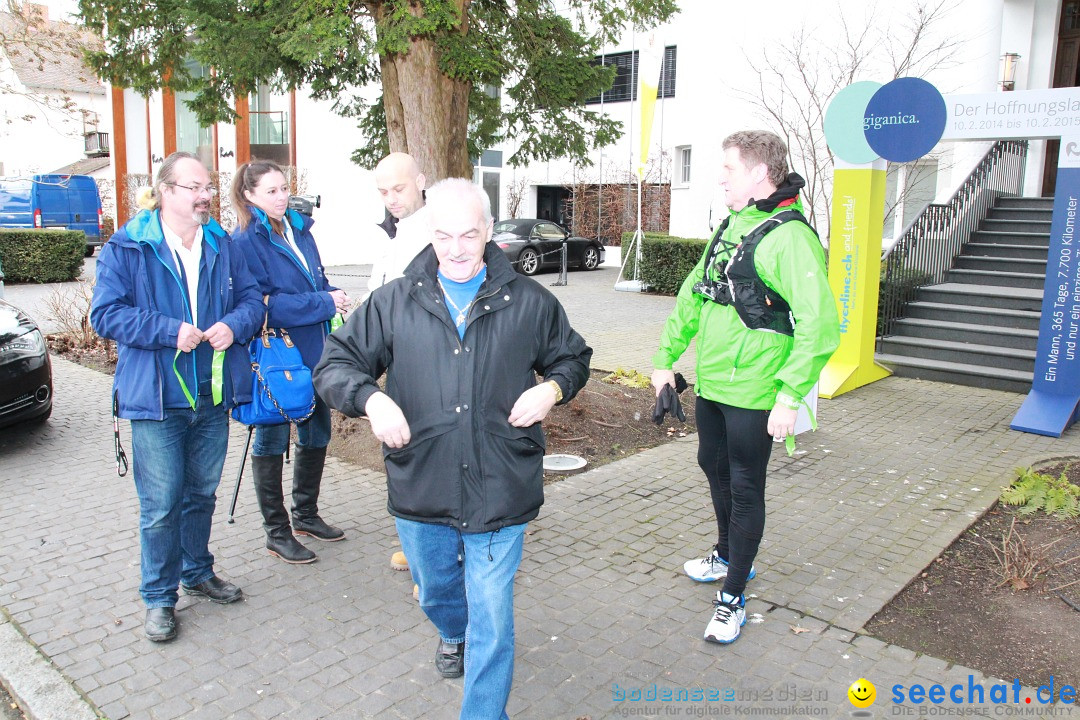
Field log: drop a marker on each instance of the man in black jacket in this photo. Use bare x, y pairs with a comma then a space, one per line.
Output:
461, 338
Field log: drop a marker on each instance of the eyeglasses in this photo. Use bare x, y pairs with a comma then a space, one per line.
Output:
198, 189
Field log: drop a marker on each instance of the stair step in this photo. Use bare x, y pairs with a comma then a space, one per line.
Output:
998, 213
992, 296
1010, 225
1010, 237
1005, 250
1017, 381
1000, 264
1025, 203
1032, 281
1018, 338
974, 314
960, 352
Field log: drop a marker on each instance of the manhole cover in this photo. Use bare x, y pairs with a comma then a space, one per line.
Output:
563, 463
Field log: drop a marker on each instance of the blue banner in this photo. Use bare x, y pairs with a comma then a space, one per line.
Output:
1051, 406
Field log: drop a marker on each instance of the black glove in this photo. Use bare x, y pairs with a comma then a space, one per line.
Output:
680, 384
668, 402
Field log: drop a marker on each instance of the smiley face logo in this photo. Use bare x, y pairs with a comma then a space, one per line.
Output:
862, 693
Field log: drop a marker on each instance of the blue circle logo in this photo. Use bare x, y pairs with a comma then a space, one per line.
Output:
904, 119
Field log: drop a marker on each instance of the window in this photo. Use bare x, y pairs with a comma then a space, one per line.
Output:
191, 135
682, 168
548, 231
486, 174
624, 87
908, 189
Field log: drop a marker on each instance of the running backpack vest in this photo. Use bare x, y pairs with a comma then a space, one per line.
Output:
758, 306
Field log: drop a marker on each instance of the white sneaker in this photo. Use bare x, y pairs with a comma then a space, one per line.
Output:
729, 615
710, 568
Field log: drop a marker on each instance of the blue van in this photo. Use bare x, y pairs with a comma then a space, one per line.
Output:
70, 202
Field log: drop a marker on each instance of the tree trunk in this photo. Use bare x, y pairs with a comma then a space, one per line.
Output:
427, 113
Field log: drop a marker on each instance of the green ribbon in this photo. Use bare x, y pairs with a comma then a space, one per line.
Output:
789, 441
217, 373
336, 322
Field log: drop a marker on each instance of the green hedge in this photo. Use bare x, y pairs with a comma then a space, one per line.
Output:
42, 255
666, 260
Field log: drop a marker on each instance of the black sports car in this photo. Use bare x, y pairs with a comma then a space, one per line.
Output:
534, 244
25, 370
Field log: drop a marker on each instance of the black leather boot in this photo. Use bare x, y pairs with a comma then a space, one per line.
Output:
307, 477
279, 538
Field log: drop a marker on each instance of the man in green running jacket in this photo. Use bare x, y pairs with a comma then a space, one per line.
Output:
765, 319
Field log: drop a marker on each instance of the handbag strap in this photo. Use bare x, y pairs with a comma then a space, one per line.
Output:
267, 332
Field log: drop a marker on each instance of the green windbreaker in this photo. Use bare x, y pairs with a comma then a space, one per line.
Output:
747, 368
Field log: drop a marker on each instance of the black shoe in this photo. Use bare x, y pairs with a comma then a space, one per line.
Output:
218, 590
450, 659
160, 625
316, 528
282, 544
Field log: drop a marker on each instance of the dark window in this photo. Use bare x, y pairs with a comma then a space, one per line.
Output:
667, 74
624, 87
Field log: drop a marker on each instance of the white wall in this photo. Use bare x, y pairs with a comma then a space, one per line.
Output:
718, 42
350, 202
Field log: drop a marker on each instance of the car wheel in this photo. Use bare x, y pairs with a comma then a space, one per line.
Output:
591, 258
528, 262
89, 251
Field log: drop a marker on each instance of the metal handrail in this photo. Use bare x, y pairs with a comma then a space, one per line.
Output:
932, 241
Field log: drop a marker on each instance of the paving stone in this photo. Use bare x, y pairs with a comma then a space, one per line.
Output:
342, 638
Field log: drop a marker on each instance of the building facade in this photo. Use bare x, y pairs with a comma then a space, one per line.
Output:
725, 68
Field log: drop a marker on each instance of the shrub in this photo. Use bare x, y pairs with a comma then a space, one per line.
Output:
42, 256
108, 227
666, 260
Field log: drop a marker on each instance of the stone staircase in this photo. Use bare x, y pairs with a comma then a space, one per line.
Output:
981, 325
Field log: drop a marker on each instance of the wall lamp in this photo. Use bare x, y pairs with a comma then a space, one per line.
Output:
1008, 71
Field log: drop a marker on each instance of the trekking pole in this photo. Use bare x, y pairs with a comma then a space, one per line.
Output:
240, 473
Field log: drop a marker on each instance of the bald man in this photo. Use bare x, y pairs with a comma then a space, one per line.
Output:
401, 186
402, 235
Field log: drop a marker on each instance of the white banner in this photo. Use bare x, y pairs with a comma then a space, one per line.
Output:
1025, 114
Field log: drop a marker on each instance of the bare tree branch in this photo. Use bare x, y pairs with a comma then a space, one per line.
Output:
797, 78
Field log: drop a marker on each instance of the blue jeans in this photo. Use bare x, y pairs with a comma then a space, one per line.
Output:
312, 433
177, 468
467, 590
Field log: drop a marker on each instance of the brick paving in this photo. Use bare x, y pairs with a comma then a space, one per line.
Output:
896, 472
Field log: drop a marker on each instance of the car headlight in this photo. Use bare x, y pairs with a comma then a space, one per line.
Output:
29, 344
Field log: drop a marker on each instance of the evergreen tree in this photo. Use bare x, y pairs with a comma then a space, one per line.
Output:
434, 58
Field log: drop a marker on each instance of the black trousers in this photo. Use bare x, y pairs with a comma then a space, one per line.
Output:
733, 450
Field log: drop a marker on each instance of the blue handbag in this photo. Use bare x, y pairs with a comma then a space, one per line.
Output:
281, 388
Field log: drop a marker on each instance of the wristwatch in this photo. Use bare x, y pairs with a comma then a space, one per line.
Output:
558, 390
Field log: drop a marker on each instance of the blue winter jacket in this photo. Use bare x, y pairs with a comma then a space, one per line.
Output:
300, 299
140, 300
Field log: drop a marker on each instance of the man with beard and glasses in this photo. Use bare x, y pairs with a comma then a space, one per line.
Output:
181, 306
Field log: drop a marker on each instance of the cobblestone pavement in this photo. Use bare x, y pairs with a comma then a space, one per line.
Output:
897, 470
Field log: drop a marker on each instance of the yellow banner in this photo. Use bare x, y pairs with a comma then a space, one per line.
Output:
854, 275
650, 61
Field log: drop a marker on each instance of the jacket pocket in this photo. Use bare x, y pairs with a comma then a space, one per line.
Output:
420, 478
513, 466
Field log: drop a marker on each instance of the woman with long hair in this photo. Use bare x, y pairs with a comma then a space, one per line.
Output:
284, 259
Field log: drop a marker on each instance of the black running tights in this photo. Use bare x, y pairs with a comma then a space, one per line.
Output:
733, 450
